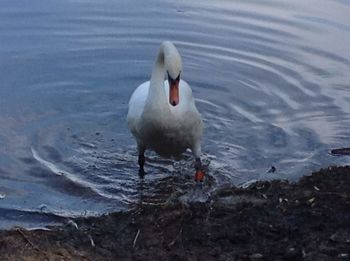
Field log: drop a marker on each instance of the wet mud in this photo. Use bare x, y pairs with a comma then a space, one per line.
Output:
275, 220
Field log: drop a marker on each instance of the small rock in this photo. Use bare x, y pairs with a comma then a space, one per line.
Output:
323, 248
340, 237
343, 255
311, 200
293, 254
341, 151
272, 169
256, 256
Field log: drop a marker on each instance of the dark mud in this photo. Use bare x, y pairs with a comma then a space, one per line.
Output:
278, 220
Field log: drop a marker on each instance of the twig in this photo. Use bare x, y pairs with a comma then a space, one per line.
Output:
31, 243
135, 239
27, 239
92, 241
174, 241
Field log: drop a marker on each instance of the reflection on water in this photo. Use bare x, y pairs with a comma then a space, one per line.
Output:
271, 81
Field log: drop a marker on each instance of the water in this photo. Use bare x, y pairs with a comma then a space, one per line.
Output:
271, 80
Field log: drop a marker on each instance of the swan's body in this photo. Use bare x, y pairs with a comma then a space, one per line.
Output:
168, 130
162, 114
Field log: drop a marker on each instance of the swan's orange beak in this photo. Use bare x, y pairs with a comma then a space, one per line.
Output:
174, 97
174, 94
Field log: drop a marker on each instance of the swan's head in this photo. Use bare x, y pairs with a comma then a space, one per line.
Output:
174, 97
173, 67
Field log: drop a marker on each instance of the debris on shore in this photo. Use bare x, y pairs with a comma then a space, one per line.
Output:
268, 220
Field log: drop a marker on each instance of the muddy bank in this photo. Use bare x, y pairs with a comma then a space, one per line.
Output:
276, 220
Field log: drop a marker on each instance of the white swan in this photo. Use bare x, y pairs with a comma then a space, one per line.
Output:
162, 114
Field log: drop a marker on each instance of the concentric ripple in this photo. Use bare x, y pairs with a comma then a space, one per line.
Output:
270, 78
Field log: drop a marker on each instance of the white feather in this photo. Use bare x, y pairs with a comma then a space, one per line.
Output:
154, 122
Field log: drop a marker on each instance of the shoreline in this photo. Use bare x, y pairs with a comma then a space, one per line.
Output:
268, 220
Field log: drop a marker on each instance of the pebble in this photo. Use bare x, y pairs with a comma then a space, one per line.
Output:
256, 256
343, 255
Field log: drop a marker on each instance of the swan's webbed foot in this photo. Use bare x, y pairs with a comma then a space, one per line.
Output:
141, 162
199, 176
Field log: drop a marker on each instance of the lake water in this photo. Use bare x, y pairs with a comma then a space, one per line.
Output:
271, 80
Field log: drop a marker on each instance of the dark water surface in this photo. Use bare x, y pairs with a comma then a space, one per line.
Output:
271, 78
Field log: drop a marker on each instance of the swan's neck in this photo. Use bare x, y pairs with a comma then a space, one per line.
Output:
156, 93
157, 102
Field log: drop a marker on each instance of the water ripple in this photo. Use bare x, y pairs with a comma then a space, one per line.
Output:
270, 79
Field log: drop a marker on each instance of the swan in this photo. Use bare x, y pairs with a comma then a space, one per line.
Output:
162, 114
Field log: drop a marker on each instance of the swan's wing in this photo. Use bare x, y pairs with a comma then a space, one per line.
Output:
136, 106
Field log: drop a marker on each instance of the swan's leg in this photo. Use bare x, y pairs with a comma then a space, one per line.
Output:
141, 150
199, 176
141, 161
